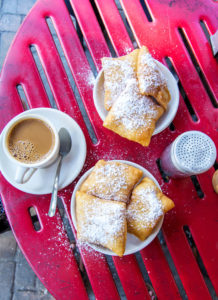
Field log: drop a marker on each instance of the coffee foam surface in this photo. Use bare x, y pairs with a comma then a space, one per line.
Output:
30, 140
25, 151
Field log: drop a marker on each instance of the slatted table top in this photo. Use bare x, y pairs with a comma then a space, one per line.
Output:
78, 35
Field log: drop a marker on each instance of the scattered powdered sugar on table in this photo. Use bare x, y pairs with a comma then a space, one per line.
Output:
128, 50
110, 179
146, 206
86, 247
86, 250
117, 73
132, 109
86, 75
103, 221
60, 240
151, 77
57, 245
91, 79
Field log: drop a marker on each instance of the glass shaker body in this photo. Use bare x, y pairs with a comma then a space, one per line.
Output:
191, 153
168, 166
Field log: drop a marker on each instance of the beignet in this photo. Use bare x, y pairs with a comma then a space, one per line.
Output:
111, 180
101, 222
116, 73
133, 115
147, 205
150, 78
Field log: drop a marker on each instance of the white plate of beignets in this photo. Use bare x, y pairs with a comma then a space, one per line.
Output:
172, 106
133, 244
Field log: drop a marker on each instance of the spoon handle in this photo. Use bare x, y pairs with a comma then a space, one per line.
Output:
53, 203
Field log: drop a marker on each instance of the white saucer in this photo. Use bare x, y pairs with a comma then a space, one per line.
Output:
167, 117
42, 180
133, 244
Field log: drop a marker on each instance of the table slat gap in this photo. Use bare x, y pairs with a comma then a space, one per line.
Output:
185, 264
200, 72
72, 81
104, 13
171, 265
44, 79
88, 26
199, 261
22, 95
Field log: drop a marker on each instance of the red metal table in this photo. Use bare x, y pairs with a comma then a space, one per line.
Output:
177, 33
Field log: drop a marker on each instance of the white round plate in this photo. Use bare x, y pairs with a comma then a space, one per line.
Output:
167, 117
42, 180
133, 244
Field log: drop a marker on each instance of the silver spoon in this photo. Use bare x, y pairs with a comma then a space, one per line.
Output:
65, 146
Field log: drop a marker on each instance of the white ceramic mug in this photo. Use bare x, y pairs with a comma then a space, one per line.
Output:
24, 171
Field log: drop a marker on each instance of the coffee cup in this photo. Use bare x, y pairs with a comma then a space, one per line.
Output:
30, 142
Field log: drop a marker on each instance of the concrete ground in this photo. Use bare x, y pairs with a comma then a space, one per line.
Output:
12, 13
17, 280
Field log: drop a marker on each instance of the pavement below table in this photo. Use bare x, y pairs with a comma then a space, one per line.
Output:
17, 280
12, 14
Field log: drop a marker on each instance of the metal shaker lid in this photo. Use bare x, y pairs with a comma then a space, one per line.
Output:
193, 152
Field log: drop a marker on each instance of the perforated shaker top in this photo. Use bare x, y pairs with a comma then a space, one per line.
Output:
194, 152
